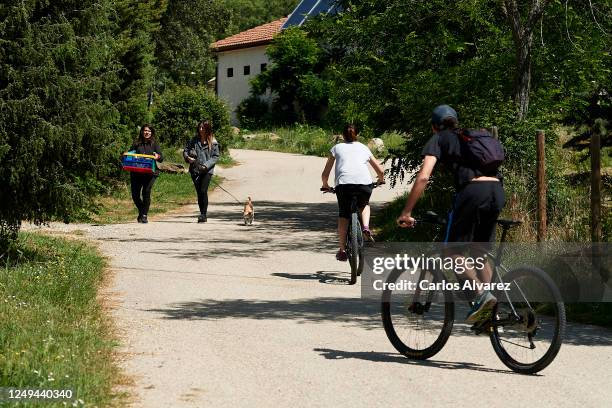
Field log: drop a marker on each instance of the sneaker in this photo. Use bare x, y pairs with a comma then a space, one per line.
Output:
481, 307
201, 218
368, 234
144, 219
139, 218
341, 256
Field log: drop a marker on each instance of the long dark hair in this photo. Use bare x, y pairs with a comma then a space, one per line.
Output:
206, 125
141, 138
350, 133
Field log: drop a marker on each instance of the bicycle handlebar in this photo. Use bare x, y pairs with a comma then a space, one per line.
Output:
333, 189
429, 217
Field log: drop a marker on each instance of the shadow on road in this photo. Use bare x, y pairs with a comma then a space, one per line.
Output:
343, 310
327, 277
279, 226
349, 311
382, 357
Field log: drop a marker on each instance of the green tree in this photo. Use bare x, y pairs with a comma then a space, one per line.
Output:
182, 108
137, 23
251, 13
523, 21
390, 67
188, 29
393, 61
58, 129
293, 76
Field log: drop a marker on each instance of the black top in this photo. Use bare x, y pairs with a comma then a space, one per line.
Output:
446, 147
150, 149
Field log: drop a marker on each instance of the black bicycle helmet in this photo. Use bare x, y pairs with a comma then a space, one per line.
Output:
442, 112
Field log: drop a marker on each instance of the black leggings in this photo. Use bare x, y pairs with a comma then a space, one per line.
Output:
201, 185
142, 183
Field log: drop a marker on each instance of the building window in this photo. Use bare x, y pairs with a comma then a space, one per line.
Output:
263, 67
247, 70
230, 72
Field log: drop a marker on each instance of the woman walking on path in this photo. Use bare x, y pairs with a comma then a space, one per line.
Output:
202, 153
141, 184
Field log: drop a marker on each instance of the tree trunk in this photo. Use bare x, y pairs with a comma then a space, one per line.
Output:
522, 34
522, 79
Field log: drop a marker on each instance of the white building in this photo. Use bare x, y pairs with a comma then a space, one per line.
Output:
240, 58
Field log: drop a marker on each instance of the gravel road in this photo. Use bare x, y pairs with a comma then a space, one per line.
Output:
223, 315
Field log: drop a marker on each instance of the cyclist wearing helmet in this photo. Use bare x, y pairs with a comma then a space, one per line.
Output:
478, 200
352, 179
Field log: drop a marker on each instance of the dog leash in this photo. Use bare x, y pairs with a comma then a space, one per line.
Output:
218, 185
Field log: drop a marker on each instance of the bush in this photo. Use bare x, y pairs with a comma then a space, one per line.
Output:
294, 78
254, 113
59, 130
180, 110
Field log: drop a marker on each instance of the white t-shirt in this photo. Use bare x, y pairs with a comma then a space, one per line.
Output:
352, 163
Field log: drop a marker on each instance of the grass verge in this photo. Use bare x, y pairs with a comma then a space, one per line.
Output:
300, 139
307, 140
170, 191
53, 334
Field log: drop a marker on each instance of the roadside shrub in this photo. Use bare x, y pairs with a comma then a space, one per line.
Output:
180, 110
254, 113
294, 78
59, 129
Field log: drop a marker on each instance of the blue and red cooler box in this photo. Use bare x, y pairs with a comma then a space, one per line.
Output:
138, 163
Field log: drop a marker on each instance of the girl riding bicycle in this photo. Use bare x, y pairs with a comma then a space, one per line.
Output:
353, 179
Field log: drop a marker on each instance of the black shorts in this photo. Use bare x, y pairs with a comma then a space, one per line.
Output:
475, 212
345, 194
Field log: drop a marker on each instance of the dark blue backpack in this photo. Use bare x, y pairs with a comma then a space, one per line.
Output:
481, 151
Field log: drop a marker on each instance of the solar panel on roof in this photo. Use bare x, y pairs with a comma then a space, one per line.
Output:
299, 14
309, 8
322, 6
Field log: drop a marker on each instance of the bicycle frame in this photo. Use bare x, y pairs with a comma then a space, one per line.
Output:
495, 277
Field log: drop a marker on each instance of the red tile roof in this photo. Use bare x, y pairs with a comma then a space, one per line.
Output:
261, 35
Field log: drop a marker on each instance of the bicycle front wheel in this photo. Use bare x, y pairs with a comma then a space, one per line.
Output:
528, 321
418, 324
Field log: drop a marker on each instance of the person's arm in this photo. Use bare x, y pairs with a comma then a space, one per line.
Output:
420, 183
159, 156
188, 147
380, 172
327, 171
214, 157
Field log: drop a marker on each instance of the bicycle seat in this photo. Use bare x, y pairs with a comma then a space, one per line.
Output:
508, 223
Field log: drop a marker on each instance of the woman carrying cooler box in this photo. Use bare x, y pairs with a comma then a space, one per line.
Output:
142, 183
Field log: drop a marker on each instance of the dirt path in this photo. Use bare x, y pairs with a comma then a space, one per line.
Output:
219, 314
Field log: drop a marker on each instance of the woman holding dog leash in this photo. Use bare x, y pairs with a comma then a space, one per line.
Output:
202, 153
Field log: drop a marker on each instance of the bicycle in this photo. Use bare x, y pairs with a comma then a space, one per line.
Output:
354, 237
515, 324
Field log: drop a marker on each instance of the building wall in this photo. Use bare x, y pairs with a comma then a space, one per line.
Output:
235, 89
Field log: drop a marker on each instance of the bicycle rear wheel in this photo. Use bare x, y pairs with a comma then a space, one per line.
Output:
528, 330
352, 247
418, 324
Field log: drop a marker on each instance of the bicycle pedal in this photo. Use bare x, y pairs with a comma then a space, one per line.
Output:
482, 328
416, 308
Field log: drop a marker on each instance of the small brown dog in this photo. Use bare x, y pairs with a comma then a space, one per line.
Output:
249, 212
